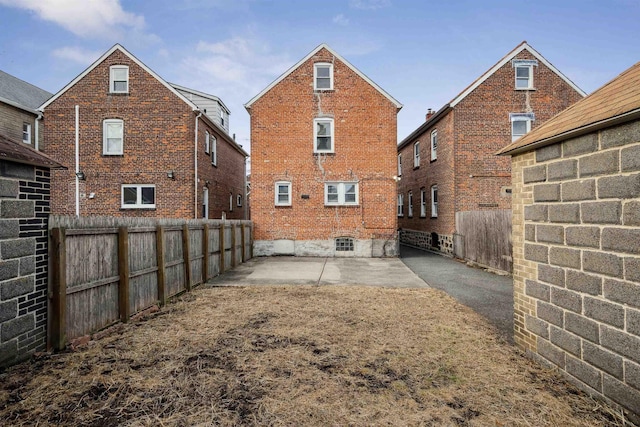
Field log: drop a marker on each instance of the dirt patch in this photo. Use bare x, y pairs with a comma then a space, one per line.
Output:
298, 356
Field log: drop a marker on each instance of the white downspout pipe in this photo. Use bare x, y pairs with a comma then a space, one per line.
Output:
77, 160
37, 133
195, 177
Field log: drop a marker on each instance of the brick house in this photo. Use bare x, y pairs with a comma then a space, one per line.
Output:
576, 241
323, 162
448, 164
19, 117
141, 146
24, 211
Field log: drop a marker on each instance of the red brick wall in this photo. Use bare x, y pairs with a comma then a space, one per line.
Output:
282, 149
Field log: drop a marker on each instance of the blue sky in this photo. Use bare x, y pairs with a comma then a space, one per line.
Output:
422, 52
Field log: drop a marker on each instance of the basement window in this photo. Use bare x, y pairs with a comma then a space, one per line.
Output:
344, 244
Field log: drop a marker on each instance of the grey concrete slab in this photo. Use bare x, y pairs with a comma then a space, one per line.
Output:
384, 272
488, 294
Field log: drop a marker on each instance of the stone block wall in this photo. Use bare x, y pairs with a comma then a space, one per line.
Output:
424, 240
24, 209
576, 237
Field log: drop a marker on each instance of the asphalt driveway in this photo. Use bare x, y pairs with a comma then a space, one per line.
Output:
488, 294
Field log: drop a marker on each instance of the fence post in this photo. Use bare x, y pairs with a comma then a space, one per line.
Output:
123, 268
242, 239
251, 240
162, 293
187, 257
205, 253
221, 240
234, 257
58, 288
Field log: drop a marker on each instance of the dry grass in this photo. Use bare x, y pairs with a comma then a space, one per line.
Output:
297, 356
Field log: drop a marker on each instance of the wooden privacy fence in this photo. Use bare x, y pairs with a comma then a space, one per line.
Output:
105, 270
484, 237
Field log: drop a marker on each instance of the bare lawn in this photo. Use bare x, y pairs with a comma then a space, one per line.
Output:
300, 355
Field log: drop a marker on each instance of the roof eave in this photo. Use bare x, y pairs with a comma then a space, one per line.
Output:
225, 134
424, 126
19, 106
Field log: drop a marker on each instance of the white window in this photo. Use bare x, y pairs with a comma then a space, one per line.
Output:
423, 203
520, 124
283, 193
399, 164
341, 193
434, 201
230, 202
205, 203
524, 76
222, 117
26, 133
239, 200
112, 137
434, 144
119, 79
138, 196
206, 142
416, 154
323, 135
322, 76
410, 205
213, 142
400, 205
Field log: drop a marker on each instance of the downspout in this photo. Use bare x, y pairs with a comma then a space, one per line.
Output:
77, 160
195, 162
37, 132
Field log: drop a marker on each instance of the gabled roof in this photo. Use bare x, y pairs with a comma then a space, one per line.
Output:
305, 59
616, 102
105, 56
22, 153
21, 94
458, 98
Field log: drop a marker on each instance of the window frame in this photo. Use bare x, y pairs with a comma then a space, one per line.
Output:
400, 205
112, 79
410, 204
529, 79
317, 65
213, 147
341, 187
207, 137
239, 200
399, 164
316, 121
434, 201
205, 203
528, 118
423, 202
416, 154
26, 132
105, 137
138, 204
434, 145
277, 185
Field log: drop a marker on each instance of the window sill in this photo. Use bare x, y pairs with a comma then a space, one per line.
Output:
282, 206
525, 88
423, 216
324, 152
433, 160
336, 205
434, 217
133, 208
416, 167
112, 155
400, 216
323, 90
118, 93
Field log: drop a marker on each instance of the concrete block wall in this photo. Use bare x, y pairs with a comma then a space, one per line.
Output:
576, 236
24, 209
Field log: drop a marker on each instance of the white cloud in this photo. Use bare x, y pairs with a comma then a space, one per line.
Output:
89, 19
76, 54
340, 19
369, 4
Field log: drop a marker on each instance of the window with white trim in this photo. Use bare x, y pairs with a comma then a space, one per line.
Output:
206, 142
222, 117
410, 204
239, 200
400, 204
26, 133
323, 135
205, 203
423, 203
119, 79
213, 145
434, 144
283, 193
112, 137
416, 154
523, 69
434, 201
399, 164
138, 196
520, 124
322, 76
340, 193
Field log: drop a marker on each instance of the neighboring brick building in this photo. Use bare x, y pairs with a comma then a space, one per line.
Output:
576, 241
145, 147
24, 211
323, 162
448, 164
19, 118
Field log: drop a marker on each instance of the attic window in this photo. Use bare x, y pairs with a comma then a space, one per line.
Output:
524, 73
119, 79
322, 76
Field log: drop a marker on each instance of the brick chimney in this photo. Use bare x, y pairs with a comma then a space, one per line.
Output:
430, 113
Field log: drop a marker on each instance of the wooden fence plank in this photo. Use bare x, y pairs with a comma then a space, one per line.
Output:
222, 248
58, 288
242, 239
123, 267
205, 253
233, 246
162, 294
187, 257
